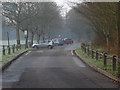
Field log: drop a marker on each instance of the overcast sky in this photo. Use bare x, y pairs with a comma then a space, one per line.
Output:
65, 6
61, 3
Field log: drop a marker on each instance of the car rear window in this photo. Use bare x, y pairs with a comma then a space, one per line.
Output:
68, 39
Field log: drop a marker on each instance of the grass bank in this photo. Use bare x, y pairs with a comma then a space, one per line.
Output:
98, 63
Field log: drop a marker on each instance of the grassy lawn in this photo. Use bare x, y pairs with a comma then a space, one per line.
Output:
6, 58
98, 63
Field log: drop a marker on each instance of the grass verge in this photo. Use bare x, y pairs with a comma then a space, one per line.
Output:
99, 63
6, 58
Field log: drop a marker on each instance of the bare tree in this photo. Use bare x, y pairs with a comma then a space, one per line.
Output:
103, 19
12, 11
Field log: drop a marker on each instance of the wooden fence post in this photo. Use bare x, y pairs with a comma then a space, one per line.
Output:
84, 48
105, 60
81, 48
92, 53
96, 54
3, 50
88, 51
13, 49
114, 63
9, 50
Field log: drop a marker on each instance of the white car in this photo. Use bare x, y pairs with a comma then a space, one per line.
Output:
44, 44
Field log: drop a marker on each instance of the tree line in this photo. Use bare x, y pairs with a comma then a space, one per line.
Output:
104, 19
37, 18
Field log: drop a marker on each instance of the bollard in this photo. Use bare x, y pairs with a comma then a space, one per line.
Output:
3, 50
13, 49
105, 60
96, 54
92, 53
114, 63
8, 50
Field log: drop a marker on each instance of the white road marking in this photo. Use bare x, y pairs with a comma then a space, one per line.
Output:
28, 53
78, 62
72, 52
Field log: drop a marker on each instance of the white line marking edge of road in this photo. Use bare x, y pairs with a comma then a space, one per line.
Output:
28, 53
72, 52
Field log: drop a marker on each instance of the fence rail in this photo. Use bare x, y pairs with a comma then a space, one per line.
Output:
101, 55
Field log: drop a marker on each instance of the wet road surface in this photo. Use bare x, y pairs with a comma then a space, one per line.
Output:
56, 68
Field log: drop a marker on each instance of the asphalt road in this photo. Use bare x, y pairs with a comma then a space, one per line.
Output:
56, 68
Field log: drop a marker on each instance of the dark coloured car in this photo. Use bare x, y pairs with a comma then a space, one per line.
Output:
61, 43
58, 41
68, 41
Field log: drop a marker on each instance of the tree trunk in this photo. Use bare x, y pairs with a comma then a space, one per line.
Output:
32, 39
17, 34
43, 37
108, 46
26, 42
38, 38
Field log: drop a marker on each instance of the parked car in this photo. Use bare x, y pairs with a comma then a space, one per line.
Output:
68, 41
44, 44
58, 41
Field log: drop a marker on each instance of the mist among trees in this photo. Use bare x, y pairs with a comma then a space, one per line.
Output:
86, 22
